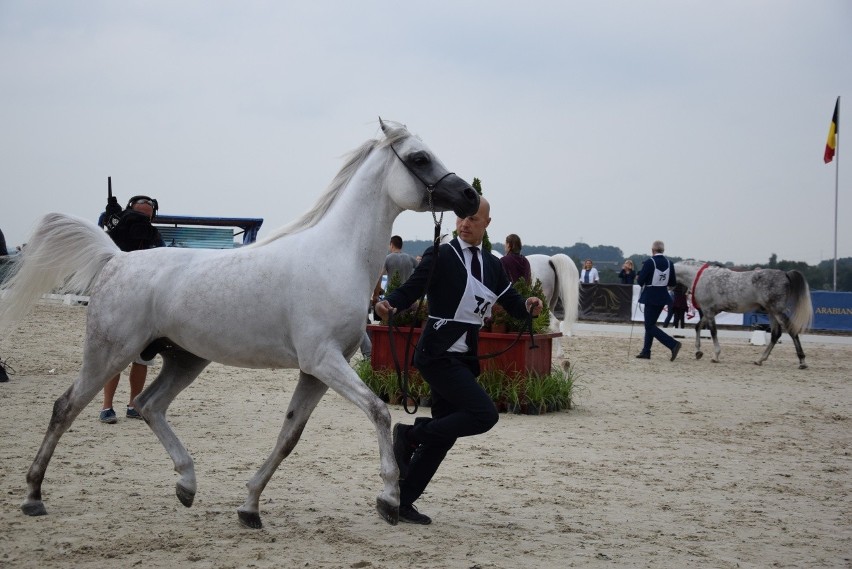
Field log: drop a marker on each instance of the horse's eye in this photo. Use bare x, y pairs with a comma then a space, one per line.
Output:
420, 158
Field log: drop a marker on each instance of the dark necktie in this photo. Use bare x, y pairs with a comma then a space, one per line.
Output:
586, 277
475, 267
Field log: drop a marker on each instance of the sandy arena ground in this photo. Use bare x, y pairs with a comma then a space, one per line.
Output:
661, 464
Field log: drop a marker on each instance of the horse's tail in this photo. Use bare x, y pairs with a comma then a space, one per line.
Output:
64, 253
802, 311
569, 287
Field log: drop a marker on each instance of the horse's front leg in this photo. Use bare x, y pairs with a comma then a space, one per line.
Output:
698, 353
307, 394
717, 349
338, 375
65, 410
179, 370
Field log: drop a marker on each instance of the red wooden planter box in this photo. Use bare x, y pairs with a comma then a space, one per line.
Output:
519, 359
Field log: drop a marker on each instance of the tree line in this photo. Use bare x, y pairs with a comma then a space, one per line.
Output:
608, 261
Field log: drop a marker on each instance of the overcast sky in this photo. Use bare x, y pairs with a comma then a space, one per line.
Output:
612, 123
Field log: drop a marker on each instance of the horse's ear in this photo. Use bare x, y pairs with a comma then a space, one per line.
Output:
382, 124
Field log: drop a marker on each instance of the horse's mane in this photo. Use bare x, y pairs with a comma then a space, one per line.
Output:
353, 161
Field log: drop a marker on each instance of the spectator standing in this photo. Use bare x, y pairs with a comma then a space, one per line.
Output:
679, 305
131, 230
398, 261
515, 264
669, 312
589, 274
627, 275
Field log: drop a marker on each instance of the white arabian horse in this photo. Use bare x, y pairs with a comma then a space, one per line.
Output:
560, 282
293, 300
778, 293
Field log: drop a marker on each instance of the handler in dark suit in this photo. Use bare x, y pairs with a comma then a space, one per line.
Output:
464, 285
656, 276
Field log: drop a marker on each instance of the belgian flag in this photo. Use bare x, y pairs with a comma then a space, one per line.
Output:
831, 143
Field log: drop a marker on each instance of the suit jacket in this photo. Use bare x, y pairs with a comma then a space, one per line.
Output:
444, 294
655, 295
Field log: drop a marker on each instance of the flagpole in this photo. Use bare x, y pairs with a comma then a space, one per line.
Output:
836, 186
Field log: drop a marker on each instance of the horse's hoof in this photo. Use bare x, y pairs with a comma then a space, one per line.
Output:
34, 508
803, 366
698, 355
250, 520
758, 363
184, 494
388, 512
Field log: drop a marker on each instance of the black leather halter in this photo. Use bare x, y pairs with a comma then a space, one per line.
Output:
430, 188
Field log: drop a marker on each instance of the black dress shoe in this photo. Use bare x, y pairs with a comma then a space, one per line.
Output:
402, 450
410, 515
644, 356
675, 350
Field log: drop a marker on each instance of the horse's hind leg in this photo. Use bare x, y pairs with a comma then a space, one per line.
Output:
65, 410
774, 336
779, 324
179, 370
799, 351
309, 390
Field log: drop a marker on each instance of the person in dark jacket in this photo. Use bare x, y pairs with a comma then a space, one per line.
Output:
627, 275
679, 305
464, 286
131, 230
656, 275
515, 264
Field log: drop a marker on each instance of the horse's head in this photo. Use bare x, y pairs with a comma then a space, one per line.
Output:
418, 173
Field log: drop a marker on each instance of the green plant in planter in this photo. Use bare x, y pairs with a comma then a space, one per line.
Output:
371, 378
551, 392
530, 393
536, 393
414, 315
499, 319
564, 388
512, 392
541, 322
390, 385
418, 388
492, 381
